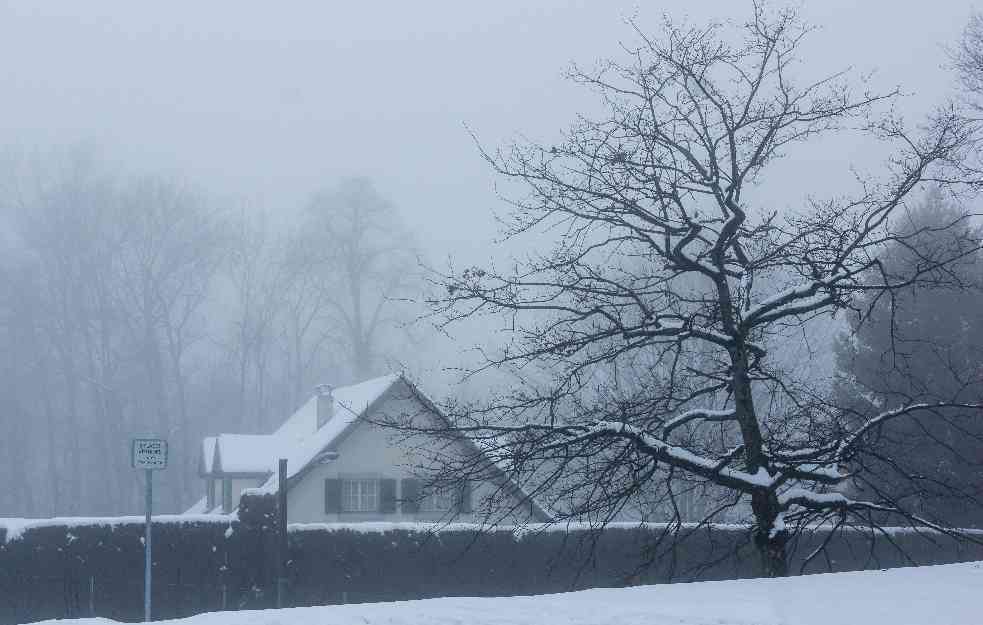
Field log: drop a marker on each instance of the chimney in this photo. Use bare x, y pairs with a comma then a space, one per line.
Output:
325, 403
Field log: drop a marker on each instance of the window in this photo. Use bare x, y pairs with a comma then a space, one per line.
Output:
360, 495
439, 500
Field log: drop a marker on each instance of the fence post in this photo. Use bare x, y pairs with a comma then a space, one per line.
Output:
92, 596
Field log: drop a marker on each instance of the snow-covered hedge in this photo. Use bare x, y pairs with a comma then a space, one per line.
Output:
71, 567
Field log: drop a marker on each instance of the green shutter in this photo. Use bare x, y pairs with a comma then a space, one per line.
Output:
226, 495
332, 496
464, 503
387, 496
410, 497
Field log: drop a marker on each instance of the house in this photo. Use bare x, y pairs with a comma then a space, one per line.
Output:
344, 467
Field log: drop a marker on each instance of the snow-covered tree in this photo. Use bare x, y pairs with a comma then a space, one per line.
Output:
655, 196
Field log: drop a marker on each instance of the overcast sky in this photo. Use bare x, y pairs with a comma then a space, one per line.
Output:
268, 100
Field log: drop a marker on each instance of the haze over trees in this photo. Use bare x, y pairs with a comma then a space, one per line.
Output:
664, 262
353, 243
922, 344
138, 305
651, 363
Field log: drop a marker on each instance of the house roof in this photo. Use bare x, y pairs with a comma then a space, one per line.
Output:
298, 439
246, 453
350, 402
302, 443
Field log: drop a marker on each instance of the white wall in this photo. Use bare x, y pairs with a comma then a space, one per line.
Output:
375, 451
240, 484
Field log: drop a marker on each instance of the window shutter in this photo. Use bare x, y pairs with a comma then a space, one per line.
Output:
332, 496
410, 497
387, 496
226, 495
464, 503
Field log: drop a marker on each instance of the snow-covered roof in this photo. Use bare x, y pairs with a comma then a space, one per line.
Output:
301, 424
298, 439
350, 402
247, 453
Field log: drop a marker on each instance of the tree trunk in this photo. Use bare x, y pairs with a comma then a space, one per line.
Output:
769, 539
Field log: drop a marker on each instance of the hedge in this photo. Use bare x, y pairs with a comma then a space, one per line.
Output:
75, 568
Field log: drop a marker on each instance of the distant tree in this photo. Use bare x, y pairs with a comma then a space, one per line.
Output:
354, 239
309, 337
254, 273
967, 58
923, 345
63, 224
170, 246
660, 191
20, 375
101, 316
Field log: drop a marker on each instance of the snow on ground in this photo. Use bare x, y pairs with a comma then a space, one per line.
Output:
930, 595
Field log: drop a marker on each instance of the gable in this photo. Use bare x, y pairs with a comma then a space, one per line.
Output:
400, 402
365, 446
349, 403
352, 440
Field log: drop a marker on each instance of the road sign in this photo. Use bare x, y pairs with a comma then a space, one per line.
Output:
149, 453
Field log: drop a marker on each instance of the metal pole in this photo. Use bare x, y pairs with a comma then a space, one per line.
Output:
147, 546
282, 550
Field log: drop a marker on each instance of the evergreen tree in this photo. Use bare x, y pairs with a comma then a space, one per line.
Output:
918, 348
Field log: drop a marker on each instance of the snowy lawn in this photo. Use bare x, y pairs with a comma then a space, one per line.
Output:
931, 595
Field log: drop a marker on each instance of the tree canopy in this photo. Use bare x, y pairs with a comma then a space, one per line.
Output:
664, 265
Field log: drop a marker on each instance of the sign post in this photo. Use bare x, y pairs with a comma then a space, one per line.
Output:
149, 454
282, 551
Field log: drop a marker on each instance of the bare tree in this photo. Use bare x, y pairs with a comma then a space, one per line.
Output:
255, 274
307, 331
106, 280
354, 240
168, 256
654, 197
63, 222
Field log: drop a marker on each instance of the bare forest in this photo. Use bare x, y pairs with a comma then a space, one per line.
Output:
139, 305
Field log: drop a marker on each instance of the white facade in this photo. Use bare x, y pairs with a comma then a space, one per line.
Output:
344, 468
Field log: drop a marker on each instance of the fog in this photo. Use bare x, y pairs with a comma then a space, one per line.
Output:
270, 103
255, 107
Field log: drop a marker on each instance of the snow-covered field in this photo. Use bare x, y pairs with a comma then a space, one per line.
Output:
931, 595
